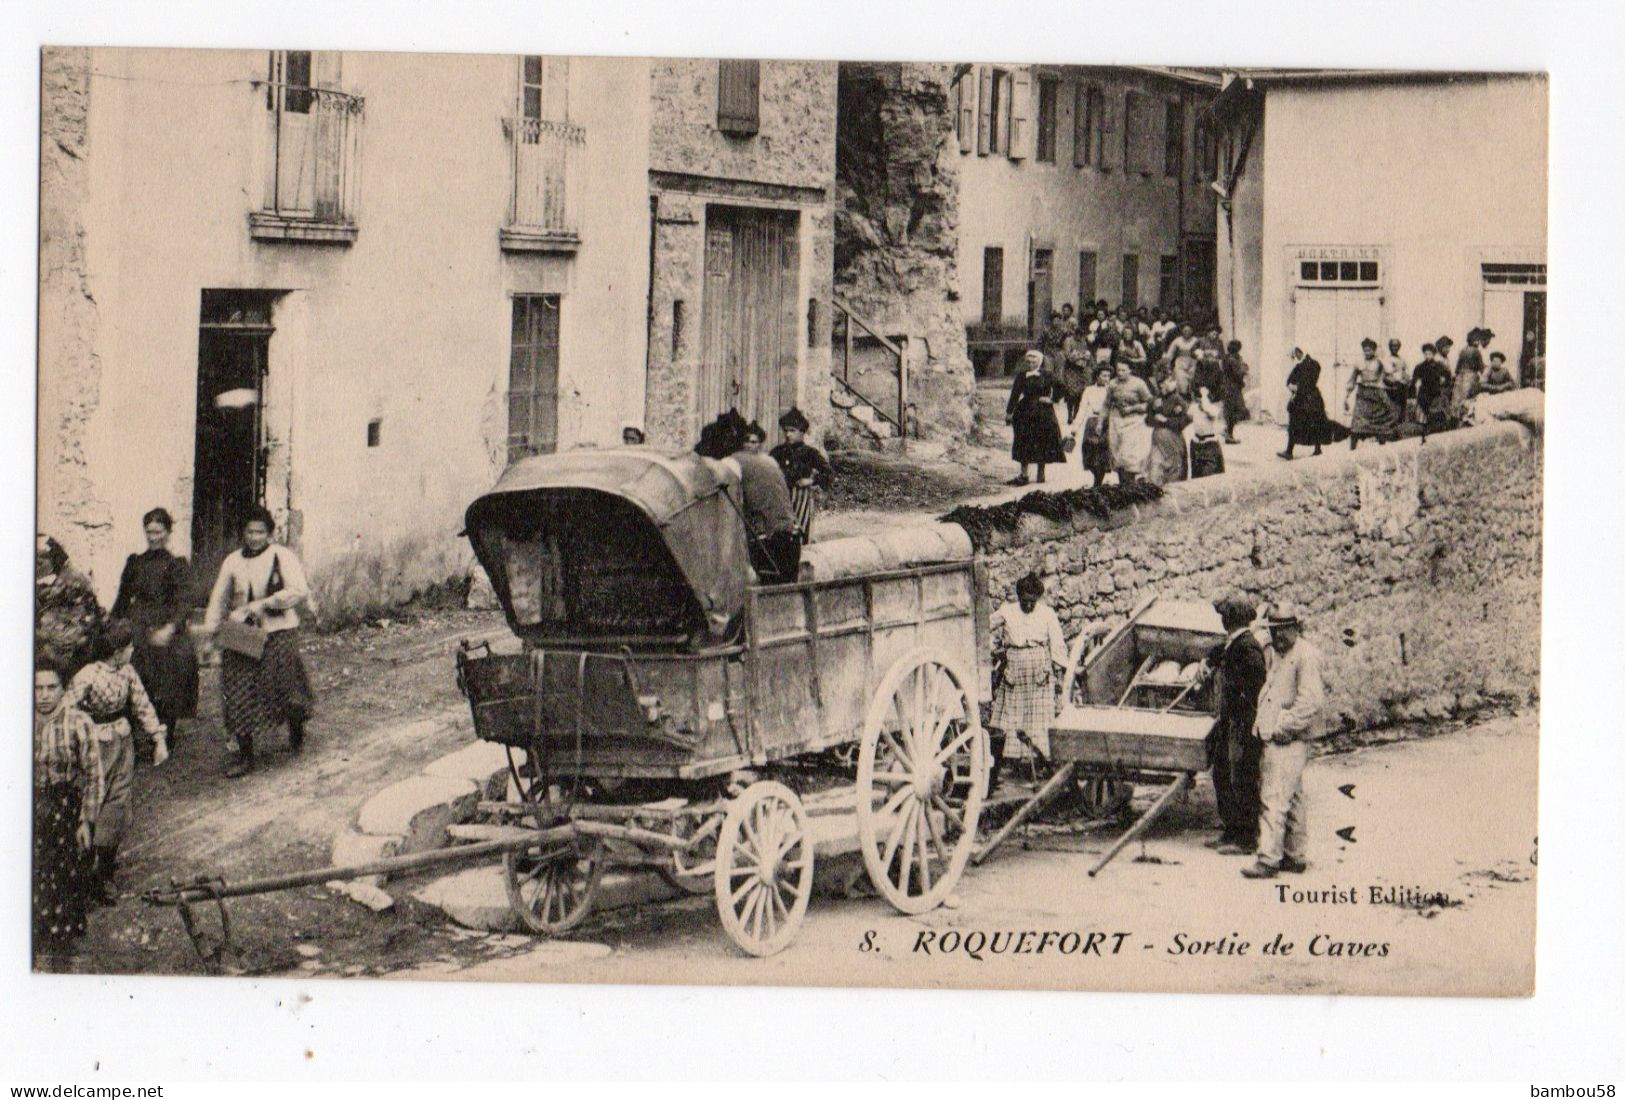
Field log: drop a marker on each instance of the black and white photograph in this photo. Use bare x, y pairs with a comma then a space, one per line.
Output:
566, 518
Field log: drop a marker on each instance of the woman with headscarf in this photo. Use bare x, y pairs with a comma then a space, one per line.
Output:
1128, 435
1089, 426
1306, 421
261, 585
1167, 415
806, 470
1373, 410
1031, 412
109, 691
66, 612
154, 595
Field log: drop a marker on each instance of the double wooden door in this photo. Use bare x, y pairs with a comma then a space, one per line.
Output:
751, 324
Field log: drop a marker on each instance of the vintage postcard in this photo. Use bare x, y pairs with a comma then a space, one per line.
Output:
763, 522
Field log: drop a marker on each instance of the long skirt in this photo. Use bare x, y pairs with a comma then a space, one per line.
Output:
803, 507
1130, 442
1026, 698
1166, 460
1374, 413
258, 696
1207, 457
117, 752
1037, 435
1307, 425
169, 673
1097, 452
61, 881
1235, 404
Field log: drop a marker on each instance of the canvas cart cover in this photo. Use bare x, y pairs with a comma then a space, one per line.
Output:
626, 546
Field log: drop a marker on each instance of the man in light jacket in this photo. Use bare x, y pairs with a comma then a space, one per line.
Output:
1289, 719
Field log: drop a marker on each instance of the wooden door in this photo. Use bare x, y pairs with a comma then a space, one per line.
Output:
750, 323
1314, 329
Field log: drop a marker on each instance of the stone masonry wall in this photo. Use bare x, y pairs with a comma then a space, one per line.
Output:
69, 366
897, 228
1419, 565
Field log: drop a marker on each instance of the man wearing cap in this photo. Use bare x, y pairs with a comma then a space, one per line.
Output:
1288, 721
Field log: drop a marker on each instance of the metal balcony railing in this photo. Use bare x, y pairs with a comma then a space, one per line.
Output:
543, 204
313, 171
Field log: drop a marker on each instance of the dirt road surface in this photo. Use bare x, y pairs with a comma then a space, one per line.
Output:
1166, 898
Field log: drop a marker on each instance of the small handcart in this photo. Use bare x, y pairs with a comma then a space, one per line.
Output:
1136, 709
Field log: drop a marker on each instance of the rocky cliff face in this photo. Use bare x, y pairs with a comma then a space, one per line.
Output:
896, 229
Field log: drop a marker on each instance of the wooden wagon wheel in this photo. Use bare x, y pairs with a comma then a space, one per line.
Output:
922, 775
1102, 796
764, 868
692, 872
552, 891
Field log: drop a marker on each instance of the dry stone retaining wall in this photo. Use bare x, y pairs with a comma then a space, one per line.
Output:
1418, 564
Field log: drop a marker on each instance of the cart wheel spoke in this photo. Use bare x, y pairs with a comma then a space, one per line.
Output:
552, 892
763, 840
913, 857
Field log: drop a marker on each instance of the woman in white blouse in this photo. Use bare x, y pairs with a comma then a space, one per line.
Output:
261, 585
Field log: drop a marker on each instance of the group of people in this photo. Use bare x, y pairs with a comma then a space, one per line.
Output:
99, 677
1268, 691
1386, 398
1141, 394
778, 490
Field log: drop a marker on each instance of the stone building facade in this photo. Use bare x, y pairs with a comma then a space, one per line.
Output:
741, 178
1080, 183
1327, 235
353, 287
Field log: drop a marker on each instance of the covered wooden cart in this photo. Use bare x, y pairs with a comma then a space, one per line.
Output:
667, 711
1136, 709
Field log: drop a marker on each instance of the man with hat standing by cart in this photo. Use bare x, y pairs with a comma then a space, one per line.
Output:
1289, 719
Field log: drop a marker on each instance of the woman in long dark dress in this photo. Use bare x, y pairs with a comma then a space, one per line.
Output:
1233, 389
1306, 409
1168, 419
1031, 412
68, 786
153, 595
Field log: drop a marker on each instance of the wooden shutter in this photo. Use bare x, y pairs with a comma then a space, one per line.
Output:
1086, 281
1080, 125
1131, 281
556, 89
965, 113
1131, 132
1022, 131
984, 117
738, 97
1110, 149
1173, 137
1006, 95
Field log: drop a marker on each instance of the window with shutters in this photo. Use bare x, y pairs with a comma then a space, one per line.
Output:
992, 285
544, 150
1168, 281
1048, 88
1088, 126
1140, 117
1086, 280
533, 376
1204, 160
1173, 138
1131, 281
739, 97
312, 155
